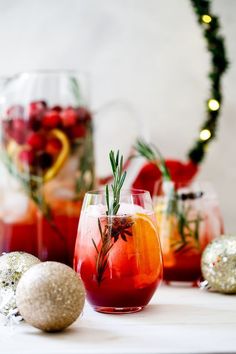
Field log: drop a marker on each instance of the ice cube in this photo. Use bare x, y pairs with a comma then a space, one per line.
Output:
14, 206
8, 181
96, 210
130, 209
125, 209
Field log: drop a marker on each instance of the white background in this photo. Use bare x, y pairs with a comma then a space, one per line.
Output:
150, 53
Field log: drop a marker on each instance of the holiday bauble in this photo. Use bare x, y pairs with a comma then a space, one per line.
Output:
50, 296
12, 266
219, 264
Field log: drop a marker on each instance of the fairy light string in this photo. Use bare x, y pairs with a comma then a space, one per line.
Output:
219, 64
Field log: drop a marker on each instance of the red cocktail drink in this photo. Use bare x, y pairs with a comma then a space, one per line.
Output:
118, 257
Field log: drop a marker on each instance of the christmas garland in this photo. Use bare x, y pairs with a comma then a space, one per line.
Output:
219, 63
184, 172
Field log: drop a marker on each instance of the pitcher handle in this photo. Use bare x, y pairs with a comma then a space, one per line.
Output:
120, 105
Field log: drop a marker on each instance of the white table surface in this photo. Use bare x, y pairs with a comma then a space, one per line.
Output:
178, 320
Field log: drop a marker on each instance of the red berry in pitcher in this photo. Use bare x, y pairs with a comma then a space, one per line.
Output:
83, 114
34, 123
79, 131
15, 111
37, 108
36, 140
57, 108
18, 130
44, 160
27, 157
51, 119
18, 124
6, 126
53, 146
68, 117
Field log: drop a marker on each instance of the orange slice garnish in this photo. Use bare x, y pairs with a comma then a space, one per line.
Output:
140, 257
146, 237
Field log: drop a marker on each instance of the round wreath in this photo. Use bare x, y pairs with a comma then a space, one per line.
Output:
180, 171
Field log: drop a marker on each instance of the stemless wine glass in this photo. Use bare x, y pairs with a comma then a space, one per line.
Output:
188, 218
118, 256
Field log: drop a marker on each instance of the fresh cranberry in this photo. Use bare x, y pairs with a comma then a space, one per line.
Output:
6, 125
79, 131
51, 119
18, 136
18, 130
37, 108
34, 123
83, 114
57, 108
53, 146
27, 157
44, 160
15, 111
37, 141
18, 124
68, 117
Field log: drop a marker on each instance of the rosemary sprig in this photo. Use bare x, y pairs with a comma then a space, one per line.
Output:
32, 185
113, 227
152, 154
119, 177
75, 89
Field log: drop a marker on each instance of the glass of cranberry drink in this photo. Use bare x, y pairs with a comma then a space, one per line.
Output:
118, 256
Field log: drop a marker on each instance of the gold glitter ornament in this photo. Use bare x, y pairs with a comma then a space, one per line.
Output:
219, 264
50, 296
12, 266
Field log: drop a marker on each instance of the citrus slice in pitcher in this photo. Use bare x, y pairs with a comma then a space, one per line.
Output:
41, 153
61, 157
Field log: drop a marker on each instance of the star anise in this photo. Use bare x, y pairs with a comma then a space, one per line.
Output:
120, 227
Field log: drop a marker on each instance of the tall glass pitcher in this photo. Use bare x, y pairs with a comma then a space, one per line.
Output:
47, 162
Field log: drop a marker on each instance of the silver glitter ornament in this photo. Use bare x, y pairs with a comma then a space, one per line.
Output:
50, 296
219, 264
12, 266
